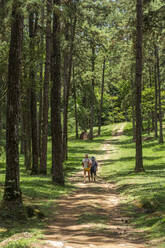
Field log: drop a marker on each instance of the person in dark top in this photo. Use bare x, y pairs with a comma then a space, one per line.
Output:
94, 167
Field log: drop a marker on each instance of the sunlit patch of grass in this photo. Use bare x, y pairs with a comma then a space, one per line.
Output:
22, 243
161, 245
3, 230
144, 192
34, 226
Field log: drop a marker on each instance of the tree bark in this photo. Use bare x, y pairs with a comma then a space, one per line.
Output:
152, 111
101, 102
22, 135
156, 102
32, 33
92, 94
56, 129
68, 59
138, 84
43, 161
75, 104
159, 97
65, 91
27, 131
133, 103
40, 112
41, 47
26, 118
12, 191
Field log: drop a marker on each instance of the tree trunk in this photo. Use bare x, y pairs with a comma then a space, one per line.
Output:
101, 102
65, 90
26, 116
12, 191
68, 59
27, 131
138, 84
41, 47
75, 104
156, 102
92, 94
152, 111
22, 128
22, 136
133, 122
56, 129
133, 103
159, 98
40, 111
32, 32
43, 161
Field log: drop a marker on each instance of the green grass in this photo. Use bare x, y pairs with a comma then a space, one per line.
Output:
144, 192
39, 190
22, 243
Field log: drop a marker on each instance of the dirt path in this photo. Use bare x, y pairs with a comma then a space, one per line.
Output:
91, 217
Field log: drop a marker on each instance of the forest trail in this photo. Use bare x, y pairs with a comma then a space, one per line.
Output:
92, 217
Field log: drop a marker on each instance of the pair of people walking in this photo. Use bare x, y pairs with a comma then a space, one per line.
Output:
90, 167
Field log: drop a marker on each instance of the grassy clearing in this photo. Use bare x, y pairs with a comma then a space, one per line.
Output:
39, 190
145, 192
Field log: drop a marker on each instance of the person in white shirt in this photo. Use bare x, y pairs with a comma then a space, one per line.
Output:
86, 164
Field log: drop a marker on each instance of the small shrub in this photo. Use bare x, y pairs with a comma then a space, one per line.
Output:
18, 244
148, 205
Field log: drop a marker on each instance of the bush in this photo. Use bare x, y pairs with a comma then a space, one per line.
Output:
18, 244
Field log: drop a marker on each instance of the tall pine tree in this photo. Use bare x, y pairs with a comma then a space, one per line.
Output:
12, 191
138, 83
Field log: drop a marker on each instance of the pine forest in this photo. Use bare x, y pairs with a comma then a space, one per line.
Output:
82, 123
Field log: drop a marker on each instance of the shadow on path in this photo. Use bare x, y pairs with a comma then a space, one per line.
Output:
91, 217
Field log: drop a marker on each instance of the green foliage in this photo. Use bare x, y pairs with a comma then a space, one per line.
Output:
148, 105
110, 27
18, 244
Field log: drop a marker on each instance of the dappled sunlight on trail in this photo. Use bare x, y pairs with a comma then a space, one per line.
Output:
92, 216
